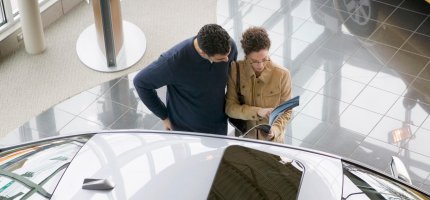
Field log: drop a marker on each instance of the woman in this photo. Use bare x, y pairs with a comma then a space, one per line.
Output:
263, 84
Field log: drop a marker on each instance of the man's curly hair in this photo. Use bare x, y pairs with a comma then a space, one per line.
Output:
213, 39
255, 39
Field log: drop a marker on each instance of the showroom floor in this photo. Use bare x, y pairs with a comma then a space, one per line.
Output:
362, 71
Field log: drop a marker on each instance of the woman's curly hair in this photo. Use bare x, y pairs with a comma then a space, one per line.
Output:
255, 39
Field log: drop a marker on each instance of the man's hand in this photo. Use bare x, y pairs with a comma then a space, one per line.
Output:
264, 112
167, 124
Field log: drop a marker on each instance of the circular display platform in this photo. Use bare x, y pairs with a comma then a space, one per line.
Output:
89, 53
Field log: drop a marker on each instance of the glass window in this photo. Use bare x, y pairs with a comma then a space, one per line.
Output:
14, 5
2, 13
246, 173
33, 171
360, 183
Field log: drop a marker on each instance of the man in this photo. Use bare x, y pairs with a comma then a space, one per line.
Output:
195, 72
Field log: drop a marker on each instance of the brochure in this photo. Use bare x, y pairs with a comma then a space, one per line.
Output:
275, 114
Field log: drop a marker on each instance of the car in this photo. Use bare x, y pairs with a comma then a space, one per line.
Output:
147, 164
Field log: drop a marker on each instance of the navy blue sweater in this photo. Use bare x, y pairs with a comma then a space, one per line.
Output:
195, 89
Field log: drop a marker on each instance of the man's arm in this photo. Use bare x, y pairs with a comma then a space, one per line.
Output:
154, 76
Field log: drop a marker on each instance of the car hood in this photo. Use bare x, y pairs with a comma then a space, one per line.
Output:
179, 166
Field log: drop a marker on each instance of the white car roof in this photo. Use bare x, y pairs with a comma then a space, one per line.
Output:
178, 166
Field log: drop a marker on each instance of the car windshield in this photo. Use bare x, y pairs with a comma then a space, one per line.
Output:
33, 171
246, 173
359, 183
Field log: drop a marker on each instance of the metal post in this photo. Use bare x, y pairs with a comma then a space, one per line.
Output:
108, 32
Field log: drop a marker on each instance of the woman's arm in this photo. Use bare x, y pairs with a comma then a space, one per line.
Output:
286, 94
233, 108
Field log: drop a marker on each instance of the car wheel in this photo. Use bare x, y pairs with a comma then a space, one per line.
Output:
359, 22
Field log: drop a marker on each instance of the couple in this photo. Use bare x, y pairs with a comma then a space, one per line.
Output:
196, 71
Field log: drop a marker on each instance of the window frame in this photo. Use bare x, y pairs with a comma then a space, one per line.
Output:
12, 19
2, 13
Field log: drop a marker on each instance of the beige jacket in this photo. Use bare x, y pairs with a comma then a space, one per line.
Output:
267, 91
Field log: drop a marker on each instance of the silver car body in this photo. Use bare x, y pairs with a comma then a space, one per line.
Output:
178, 166
140, 164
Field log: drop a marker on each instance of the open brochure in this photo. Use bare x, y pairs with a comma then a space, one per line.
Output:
275, 114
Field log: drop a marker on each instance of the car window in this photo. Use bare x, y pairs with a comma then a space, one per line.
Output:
33, 171
359, 183
246, 173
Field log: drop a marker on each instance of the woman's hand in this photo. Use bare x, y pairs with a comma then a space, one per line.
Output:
272, 135
264, 112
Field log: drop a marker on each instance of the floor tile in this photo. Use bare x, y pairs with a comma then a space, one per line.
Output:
359, 70
80, 125
305, 97
135, 120
416, 44
309, 32
375, 153
50, 122
416, 6
230, 8
393, 132
273, 4
425, 27
123, 92
375, 53
311, 79
408, 63
293, 48
358, 120
296, 142
324, 108
425, 74
419, 142
406, 19
376, 100
284, 62
276, 40
409, 111
392, 2
302, 10
342, 89
306, 128
340, 141
419, 90
390, 35
102, 88
158, 126
77, 103
344, 44
426, 124
104, 112
390, 80
383, 10
326, 60
284, 24
256, 15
